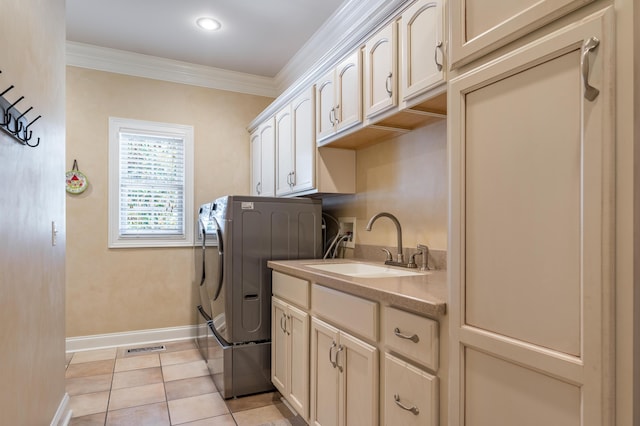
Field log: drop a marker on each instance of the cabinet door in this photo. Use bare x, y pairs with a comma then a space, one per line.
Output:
422, 51
357, 364
532, 178
481, 26
256, 161
284, 151
410, 394
324, 375
267, 187
304, 142
279, 345
298, 390
380, 78
348, 92
325, 106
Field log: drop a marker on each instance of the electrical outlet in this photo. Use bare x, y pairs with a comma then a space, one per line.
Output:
348, 225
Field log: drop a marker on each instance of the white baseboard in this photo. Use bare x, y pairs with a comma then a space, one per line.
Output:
63, 414
101, 341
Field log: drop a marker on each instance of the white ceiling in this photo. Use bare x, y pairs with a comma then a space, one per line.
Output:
258, 37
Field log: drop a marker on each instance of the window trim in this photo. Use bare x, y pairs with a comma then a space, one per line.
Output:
117, 125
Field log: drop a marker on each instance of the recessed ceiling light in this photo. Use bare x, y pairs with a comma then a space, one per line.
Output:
208, 24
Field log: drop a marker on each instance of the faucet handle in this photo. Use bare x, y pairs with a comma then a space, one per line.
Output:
388, 253
424, 251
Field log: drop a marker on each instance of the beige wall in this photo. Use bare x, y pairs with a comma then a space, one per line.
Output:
119, 290
407, 177
32, 357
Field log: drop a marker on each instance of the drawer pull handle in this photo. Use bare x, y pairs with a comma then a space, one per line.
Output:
438, 48
414, 410
333, 364
588, 46
282, 325
340, 349
414, 338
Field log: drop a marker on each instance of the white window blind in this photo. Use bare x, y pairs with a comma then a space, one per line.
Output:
151, 184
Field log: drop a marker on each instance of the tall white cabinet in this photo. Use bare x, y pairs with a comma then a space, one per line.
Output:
531, 239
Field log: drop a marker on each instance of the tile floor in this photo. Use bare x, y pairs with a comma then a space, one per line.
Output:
171, 387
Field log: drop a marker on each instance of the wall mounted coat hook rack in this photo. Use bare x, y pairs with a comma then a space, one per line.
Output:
15, 123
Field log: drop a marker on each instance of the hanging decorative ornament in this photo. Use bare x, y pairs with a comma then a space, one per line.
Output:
76, 181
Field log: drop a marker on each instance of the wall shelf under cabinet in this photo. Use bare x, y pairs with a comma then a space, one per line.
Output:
391, 125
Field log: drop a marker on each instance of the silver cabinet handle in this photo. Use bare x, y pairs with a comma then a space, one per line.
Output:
333, 345
259, 188
387, 84
340, 349
293, 178
283, 327
588, 46
414, 410
335, 114
332, 113
435, 56
414, 338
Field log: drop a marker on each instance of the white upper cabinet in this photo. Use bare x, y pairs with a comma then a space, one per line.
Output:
481, 26
295, 145
422, 63
304, 142
263, 159
325, 106
284, 151
380, 65
338, 98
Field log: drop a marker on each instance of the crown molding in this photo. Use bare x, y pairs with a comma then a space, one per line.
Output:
345, 29
135, 64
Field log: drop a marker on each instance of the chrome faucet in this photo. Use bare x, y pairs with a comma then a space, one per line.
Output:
400, 257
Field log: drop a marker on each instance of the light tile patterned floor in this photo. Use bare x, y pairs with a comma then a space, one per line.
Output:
171, 387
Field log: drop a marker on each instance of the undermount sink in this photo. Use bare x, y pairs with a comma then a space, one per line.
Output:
363, 270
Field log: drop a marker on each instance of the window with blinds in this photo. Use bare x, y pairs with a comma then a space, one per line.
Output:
151, 184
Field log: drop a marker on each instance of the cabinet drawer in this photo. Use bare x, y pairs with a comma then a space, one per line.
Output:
411, 335
349, 312
410, 394
292, 289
